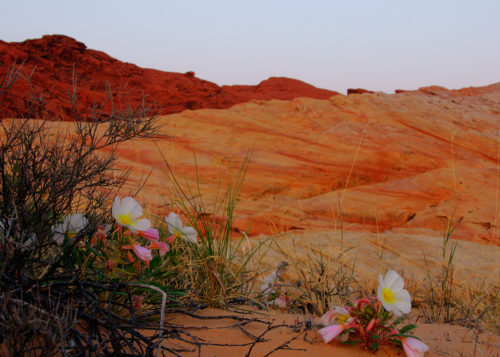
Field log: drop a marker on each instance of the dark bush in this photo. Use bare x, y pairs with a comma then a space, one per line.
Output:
46, 172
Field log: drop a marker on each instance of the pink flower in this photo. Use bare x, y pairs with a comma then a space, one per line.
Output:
413, 347
330, 332
161, 246
143, 253
150, 234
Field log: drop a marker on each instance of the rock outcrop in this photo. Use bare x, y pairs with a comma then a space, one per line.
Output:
403, 163
52, 63
358, 91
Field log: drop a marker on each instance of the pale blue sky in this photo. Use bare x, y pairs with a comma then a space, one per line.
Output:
378, 45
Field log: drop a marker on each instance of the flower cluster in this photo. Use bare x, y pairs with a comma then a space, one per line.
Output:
128, 212
133, 241
369, 320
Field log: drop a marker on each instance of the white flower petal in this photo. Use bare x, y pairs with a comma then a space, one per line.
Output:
379, 292
116, 208
75, 222
140, 225
58, 228
189, 233
391, 278
395, 310
136, 211
403, 301
173, 222
59, 238
127, 204
398, 284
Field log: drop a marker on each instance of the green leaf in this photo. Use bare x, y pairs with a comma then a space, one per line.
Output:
407, 328
408, 336
351, 342
347, 330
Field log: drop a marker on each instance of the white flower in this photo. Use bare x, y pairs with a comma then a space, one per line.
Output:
127, 212
72, 224
392, 295
177, 229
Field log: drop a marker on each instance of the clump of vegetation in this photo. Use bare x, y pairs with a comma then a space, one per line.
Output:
47, 173
215, 267
369, 321
443, 301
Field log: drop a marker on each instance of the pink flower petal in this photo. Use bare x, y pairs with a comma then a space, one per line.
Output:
143, 253
161, 246
330, 332
414, 347
150, 234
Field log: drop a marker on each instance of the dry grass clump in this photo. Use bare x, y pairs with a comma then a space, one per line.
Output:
470, 304
315, 281
217, 269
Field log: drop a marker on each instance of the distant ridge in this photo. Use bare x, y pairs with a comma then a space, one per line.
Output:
53, 57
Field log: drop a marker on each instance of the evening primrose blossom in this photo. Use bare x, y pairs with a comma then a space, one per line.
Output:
338, 315
73, 223
392, 295
127, 212
176, 228
341, 320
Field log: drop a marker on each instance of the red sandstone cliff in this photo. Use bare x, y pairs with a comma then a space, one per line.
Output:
52, 59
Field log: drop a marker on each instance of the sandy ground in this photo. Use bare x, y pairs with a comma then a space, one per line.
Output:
285, 335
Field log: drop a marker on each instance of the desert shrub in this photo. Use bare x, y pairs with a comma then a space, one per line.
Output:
46, 173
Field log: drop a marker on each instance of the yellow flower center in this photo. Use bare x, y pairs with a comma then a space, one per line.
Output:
388, 296
342, 318
177, 233
125, 219
71, 234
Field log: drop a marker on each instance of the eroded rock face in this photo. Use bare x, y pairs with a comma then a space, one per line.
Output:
52, 60
403, 163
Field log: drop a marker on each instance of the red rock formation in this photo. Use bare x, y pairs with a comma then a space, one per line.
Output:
358, 91
400, 163
52, 59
